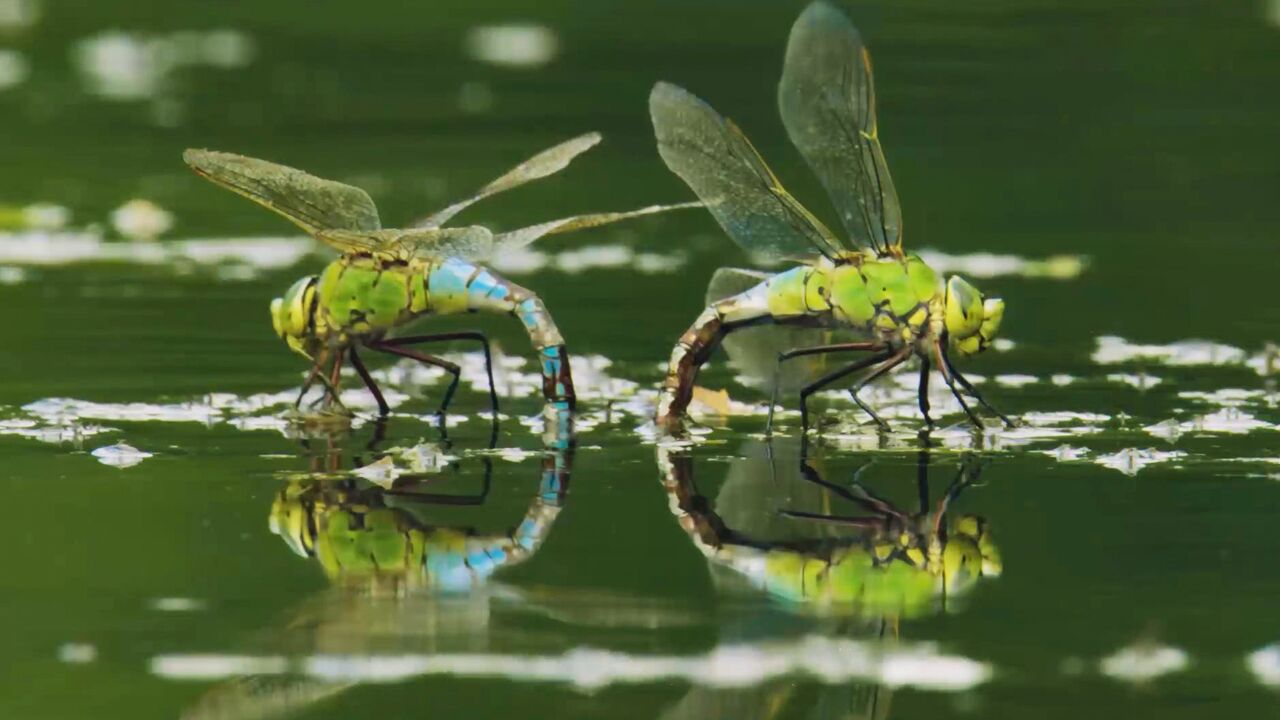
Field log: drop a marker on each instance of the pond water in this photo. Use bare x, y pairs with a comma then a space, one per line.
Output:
179, 548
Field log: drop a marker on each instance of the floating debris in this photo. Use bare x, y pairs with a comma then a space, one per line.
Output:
1114, 350
513, 45
13, 69
121, 455
1141, 382
988, 265
1131, 461
522, 261
17, 15
828, 660
1067, 453
77, 653
1143, 662
130, 66
1265, 665
177, 604
141, 220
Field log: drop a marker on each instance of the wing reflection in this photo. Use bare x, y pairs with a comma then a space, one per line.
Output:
833, 558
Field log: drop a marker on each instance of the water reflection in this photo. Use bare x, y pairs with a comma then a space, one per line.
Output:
405, 576
836, 560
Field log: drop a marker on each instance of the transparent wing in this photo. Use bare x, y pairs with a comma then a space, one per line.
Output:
547, 162
312, 203
827, 100
469, 243
719, 164
524, 236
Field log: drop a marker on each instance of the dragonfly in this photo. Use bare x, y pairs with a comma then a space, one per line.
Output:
886, 561
859, 282
385, 278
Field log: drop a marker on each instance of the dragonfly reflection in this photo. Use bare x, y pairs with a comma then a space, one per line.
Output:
403, 576
831, 558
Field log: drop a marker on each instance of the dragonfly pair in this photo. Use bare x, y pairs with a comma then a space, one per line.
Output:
861, 284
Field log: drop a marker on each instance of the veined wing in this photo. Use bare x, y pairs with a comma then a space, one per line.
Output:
312, 203
717, 161
828, 104
753, 351
547, 162
524, 236
469, 243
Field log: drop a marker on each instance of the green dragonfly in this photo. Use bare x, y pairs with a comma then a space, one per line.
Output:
886, 562
385, 278
861, 282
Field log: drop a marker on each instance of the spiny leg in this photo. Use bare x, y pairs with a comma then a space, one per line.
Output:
306, 385
800, 352
447, 366
888, 365
951, 384
964, 383
466, 335
831, 377
363, 372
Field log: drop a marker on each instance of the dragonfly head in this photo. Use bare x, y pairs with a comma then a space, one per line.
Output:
972, 319
969, 555
291, 316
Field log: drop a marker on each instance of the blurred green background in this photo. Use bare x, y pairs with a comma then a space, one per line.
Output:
1141, 134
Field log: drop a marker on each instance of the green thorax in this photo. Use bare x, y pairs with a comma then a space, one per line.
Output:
884, 293
367, 297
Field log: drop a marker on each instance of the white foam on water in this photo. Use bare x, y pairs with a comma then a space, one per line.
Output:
1264, 664
1141, 382
18, 15
521, 45
1131, 461
177, 604
1015, 380
1112, 350
141, 220
14, 69
989, 265
121, 455
829, 660
1143, 662
1225, 397
75, 653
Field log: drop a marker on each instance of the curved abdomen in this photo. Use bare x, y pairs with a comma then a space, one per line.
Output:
794, 295
454, 286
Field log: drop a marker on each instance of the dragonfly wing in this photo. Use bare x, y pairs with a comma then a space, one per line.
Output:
719, 164
753, 351
547, 162
312, 203
468, 243
523, 236
827, 100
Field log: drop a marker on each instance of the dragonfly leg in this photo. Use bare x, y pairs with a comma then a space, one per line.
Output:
800, 352
363, 372
964, 383
306, 385
452, 369
831, 377
888, 365
922, 390
468, 335
951, 384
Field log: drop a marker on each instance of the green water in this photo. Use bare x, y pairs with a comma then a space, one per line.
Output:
1140, 135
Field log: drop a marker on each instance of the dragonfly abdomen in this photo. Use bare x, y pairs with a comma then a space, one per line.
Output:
792, 296
454, 285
